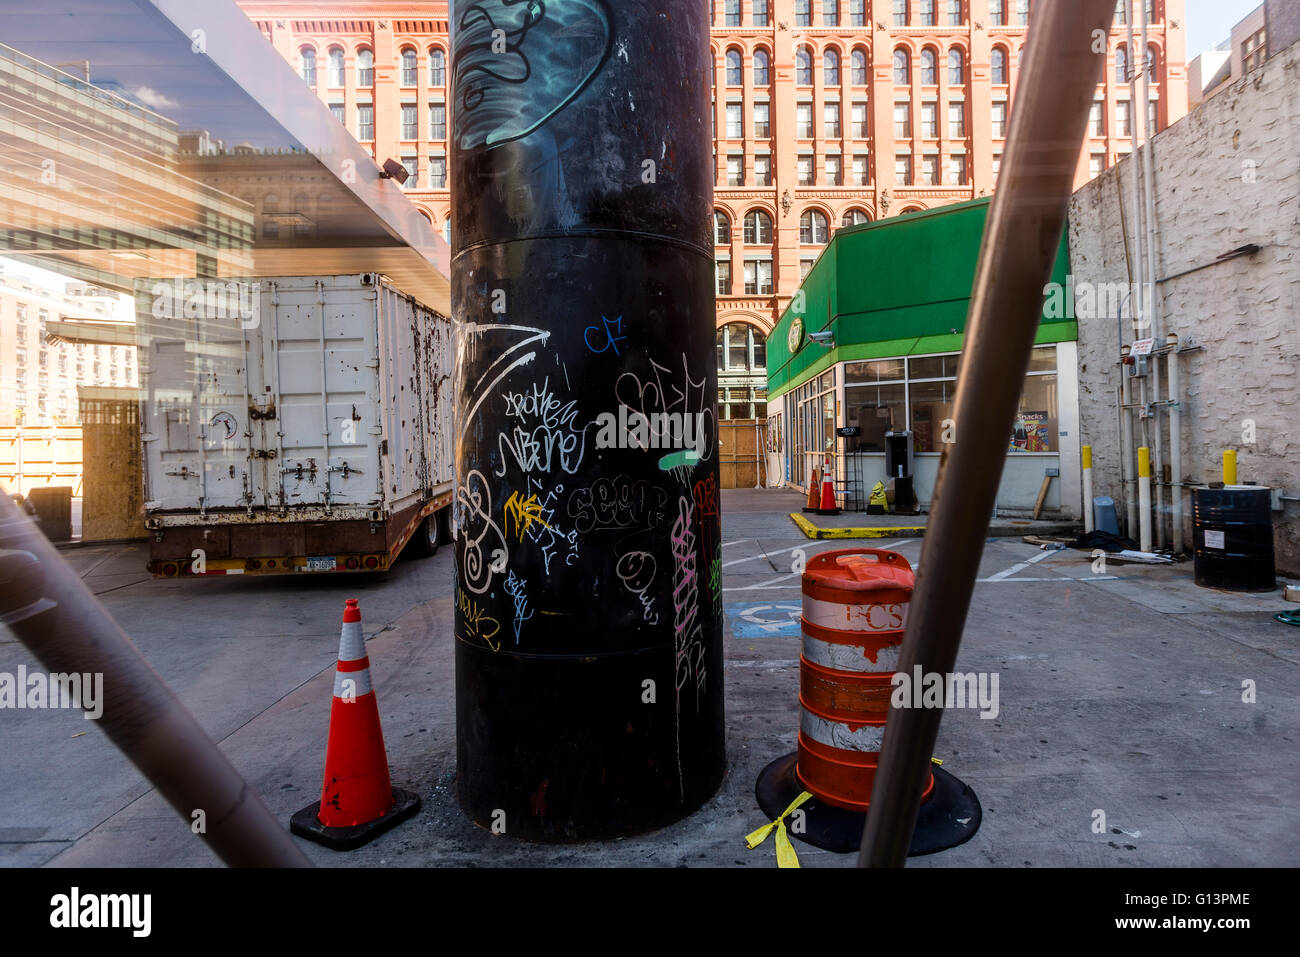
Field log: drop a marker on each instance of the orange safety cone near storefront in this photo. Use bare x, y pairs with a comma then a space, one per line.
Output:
828, 506
855, 604
358, 801
814, 490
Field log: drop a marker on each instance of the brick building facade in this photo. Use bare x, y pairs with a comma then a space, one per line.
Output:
825, 112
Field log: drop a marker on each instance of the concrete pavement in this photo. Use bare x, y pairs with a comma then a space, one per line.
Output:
1120, 691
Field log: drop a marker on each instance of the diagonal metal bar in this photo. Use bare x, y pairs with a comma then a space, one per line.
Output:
51, 611
1064, 58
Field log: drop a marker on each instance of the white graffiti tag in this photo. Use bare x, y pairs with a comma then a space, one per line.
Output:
663, 393
478, 533
636, 570
545, 433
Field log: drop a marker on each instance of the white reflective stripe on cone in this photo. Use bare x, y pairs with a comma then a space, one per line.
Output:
359, 683
838, 657
836, 734
352, 644
843, 616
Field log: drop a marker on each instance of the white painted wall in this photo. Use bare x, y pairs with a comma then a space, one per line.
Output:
1225, 175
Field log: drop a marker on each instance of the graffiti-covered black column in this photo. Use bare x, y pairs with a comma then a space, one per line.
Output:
588, 623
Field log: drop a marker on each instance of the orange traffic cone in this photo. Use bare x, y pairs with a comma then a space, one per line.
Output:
358, 801
814, 489
828, 506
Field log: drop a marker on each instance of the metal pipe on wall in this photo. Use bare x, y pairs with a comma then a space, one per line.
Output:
1138, 302
50, 610
589, 696
1175, 446
1153, 306
1128, 452
1020, 244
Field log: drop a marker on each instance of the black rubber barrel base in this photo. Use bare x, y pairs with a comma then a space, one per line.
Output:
951, 816
306, 824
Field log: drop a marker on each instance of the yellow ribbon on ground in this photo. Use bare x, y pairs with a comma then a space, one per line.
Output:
785, 855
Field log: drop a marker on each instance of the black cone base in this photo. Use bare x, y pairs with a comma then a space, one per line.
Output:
306, 824
951, 816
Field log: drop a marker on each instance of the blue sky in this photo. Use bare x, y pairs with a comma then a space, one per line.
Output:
1210, 21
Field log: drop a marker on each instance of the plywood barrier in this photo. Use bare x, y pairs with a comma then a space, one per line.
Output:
740, 463
113, 486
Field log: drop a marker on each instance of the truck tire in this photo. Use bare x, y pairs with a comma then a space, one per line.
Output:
431, 534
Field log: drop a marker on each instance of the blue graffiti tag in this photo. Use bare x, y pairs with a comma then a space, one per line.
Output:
612, 326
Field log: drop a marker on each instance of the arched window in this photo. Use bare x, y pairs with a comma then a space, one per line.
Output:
446, 229
758, 228
721, 228
858, 67
337, 69
956, 68
1153, 65
1121, 64
902, 68
854, 217
437, 67
831, 68
929, 72
410, 68
734, 68
910, 210
998, 67
741, 348
309, 65
762, 74
365, 68
802, 67
813, 228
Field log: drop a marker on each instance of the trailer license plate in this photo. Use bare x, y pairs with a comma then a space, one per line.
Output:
325, 564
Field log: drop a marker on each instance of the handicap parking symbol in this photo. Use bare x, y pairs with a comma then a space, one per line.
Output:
777, 619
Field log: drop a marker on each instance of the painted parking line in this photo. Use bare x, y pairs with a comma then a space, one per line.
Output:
776, 582
753, 558
739, 541
758, 619
1008, 572
1063, 578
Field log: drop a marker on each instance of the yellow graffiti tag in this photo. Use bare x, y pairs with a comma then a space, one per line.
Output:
523, 512
477, 623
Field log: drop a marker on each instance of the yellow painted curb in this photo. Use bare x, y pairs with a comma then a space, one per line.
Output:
813, 531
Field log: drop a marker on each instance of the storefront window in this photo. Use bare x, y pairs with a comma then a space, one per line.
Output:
1043, 359
934, 367
931, 405
926, 401
874, 410
876, 370
828, 422
1036, 419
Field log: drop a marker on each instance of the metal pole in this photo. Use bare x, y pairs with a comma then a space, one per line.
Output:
1175, 446
589, 664
1020, 246
1153, 303
49, 609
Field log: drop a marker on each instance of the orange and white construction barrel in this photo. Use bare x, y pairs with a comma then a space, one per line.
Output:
855, 607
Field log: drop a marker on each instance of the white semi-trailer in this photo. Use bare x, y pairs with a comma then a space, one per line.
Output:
292, 425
